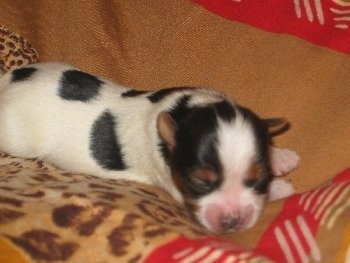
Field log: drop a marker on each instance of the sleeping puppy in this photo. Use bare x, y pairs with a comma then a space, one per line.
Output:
207, 152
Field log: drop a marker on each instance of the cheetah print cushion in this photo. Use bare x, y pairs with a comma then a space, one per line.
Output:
55, 215
49, 215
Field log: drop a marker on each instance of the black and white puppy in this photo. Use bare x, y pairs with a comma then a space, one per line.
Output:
207, 152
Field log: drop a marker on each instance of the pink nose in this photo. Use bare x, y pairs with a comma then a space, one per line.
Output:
230, 222
223, 219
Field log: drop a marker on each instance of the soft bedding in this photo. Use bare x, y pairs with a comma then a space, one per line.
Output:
51, 215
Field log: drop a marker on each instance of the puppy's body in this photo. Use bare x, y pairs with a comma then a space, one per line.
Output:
38, 123
194, 143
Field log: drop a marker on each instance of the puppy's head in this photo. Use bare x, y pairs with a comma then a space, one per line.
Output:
218, 155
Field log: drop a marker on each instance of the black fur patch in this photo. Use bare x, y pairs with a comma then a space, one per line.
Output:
262, 143
79, 86
22, 74
196, 147
178, 111
133, 93
162, 93
104, 144
225, 111
180, 108
198, 140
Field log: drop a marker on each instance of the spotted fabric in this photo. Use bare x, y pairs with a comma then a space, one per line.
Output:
15, 51
54, 215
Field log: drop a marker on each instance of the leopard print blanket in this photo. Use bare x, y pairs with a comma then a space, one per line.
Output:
54, 215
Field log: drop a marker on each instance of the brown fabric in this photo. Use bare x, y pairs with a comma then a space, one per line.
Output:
147, 44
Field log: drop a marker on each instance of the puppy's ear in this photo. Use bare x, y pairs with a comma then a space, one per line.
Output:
277, 125
167, 128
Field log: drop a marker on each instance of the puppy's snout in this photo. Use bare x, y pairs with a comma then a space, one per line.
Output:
227, 219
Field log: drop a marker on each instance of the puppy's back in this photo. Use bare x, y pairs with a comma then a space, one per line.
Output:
27, 108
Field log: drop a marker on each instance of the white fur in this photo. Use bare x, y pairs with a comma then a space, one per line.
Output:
36, 123
283, 161
279, 189
237, 150
236, 147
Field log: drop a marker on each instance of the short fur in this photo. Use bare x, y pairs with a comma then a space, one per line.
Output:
196, 144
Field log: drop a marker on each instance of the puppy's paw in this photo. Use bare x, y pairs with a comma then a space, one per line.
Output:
283, 161
279, 189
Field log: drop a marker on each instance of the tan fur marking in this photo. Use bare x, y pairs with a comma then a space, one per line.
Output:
166, 128
255, 171
206, 175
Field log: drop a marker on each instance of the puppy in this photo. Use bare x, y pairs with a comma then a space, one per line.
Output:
207, 152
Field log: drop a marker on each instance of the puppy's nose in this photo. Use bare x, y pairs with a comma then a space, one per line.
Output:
230, 222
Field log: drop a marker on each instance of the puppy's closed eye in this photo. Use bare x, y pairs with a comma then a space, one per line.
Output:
204, 180
251, 182
257, 179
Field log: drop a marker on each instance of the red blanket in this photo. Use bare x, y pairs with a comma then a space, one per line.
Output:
325, 23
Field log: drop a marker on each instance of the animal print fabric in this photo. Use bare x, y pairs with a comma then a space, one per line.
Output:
15, 51
51, 215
